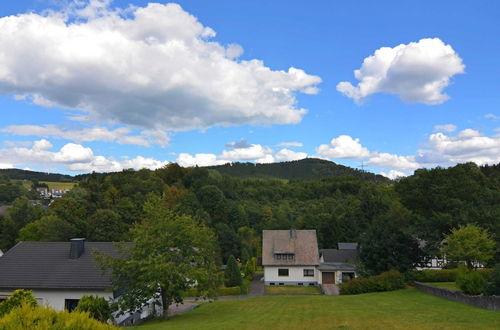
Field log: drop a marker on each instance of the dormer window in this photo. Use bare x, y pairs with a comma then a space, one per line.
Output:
284, 256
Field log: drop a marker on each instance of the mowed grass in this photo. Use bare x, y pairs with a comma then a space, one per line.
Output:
403, 309
52, 185
446, 285
291, 290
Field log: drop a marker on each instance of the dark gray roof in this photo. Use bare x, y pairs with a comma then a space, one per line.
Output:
348, 246
337, 266
47, 265
339, 256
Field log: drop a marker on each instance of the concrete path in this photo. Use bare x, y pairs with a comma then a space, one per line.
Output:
329, 289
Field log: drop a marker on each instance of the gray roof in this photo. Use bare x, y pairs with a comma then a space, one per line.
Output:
348, 246
303, 244
339, 256
337, 266
47, 265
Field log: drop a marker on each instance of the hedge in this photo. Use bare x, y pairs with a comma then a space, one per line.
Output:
432, 275
439, 275
388, 281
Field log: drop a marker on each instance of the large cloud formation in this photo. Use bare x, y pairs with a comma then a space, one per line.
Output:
417, 72
71, 156
154, 67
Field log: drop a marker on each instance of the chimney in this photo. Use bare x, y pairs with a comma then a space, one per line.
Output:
293, 233
77, 247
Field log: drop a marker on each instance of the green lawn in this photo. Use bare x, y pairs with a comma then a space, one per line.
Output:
291, 290
446, 285
403, 309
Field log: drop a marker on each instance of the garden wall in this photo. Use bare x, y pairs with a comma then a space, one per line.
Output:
487, 302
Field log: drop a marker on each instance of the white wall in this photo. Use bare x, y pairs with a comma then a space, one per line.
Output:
295, 274
55, 298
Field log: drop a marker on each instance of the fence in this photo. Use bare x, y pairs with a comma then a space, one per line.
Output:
487, 302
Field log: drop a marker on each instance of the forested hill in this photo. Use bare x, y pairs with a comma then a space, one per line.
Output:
305, 169
17, 174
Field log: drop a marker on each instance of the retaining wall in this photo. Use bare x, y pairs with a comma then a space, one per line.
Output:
487, 302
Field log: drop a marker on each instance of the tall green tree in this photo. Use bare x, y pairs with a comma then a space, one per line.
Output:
48, 228
232, 275
105, 226
387, 246
470, 244
169, 254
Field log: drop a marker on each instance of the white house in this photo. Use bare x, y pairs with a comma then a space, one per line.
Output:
292, 257
59, 273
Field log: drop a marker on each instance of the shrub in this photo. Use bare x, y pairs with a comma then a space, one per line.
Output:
493, 286
232, 275
388, 281
432, 275
44, 318
97, 307
17, 298
471, 281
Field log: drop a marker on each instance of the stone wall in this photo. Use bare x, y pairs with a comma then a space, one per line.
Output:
487, 302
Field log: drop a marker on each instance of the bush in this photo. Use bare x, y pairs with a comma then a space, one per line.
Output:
18, 298
44, 318
471, 281
388, 281
493, 286
432, 275
97, 307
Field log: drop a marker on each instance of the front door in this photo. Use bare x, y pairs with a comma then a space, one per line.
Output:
328, 277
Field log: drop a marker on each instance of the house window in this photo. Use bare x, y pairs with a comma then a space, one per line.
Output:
282, 271
290, 256
347, 276
70, 304
308, 272
300, 283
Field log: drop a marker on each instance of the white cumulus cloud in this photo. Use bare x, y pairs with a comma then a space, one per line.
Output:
342, 146
467, 146
285, 155
393, 174
155, 67
417, 72
393, 161
71, 156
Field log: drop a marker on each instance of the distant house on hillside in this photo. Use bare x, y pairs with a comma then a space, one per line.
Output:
59, 273
292, 257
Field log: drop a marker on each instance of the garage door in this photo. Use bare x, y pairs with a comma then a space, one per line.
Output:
328, 277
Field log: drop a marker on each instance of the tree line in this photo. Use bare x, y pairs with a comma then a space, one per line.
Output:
401, 222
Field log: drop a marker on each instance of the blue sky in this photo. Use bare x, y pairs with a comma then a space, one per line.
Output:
106, 85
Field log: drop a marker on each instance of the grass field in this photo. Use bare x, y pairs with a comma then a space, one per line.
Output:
291, 290
446, 285
403, 309
52, 185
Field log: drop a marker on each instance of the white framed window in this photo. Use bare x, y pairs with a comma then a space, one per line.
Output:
308, 272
